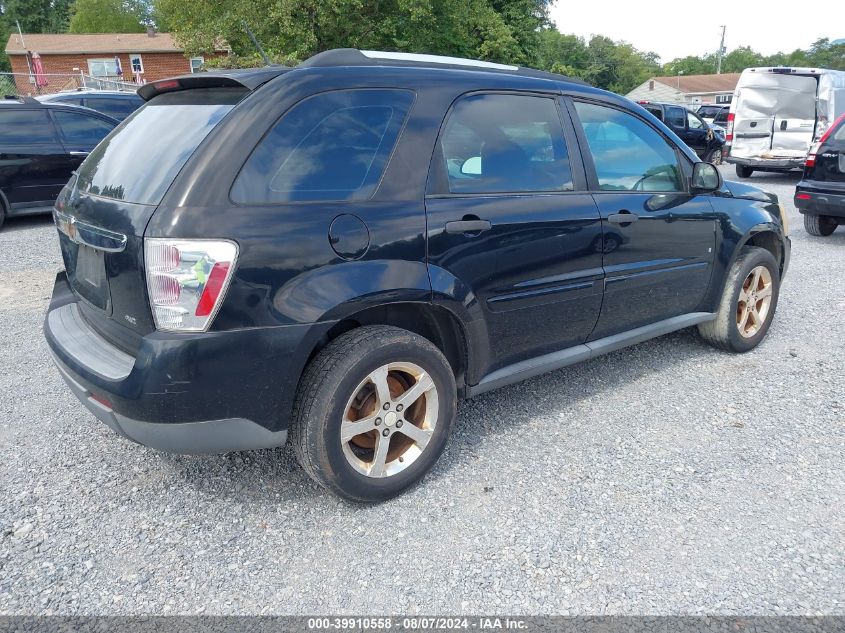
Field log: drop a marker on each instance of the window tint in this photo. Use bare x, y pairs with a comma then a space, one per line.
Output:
656, 111
629, 155
505, 143
117, 108
721, 118
675, 116
142, 158
80, 129
694, 122
69, 100
332, 146
26, 127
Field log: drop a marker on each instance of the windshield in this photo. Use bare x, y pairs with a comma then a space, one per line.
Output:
139, 160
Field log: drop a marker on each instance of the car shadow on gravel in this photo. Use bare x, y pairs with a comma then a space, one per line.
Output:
274, 476
26, 222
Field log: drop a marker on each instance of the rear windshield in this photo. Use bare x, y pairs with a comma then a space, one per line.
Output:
141, 158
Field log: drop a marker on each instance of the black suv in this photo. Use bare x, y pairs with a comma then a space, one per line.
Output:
690, 128
40, 145
342, 250
820, 195
114, 103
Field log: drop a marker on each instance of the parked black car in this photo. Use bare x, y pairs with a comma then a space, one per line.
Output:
690, 127
342, 250
114, 103
40, 145
820, 195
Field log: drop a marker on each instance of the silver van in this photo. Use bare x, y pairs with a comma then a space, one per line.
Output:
777, 113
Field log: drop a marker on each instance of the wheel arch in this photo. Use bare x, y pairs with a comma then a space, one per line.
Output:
433, 322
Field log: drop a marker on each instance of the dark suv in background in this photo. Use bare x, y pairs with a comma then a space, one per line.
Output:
341, 251
690, 128
40, 145
117, 104
820, 195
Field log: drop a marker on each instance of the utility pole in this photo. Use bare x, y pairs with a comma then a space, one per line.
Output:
721, 52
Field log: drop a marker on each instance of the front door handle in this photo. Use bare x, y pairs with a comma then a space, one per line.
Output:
75, 153
468, 226
623, 217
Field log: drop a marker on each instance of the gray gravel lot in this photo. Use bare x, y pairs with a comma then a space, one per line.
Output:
663, 479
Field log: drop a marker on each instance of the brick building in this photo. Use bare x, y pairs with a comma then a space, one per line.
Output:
143, 56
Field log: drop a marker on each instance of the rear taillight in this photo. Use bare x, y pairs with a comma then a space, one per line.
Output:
729, 133
810, 161
187, 280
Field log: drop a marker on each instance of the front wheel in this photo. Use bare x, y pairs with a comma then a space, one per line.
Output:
714, 156
744, 172
373, 412
748, 303
819, 225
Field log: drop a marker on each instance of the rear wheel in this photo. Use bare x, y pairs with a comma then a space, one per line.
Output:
748, 303
819, 225
373, 412
744, 172
2, 214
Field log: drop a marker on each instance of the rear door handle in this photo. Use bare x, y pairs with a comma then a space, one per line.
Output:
79, 153
623, 217
468, 226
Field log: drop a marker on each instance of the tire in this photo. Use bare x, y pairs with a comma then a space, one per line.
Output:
744, 172
2, 214
714, 156
338, 388
724, 332
819, 225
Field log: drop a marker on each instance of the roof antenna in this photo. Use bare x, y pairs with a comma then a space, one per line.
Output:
256, 44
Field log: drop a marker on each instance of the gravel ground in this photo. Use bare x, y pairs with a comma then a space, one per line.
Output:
667, 478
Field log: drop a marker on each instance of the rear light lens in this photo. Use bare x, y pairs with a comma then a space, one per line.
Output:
187, 280
803, 196
810, 161
729, 133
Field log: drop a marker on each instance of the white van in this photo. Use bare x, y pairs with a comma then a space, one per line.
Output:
777, 113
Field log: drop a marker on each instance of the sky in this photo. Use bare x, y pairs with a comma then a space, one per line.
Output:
695, 27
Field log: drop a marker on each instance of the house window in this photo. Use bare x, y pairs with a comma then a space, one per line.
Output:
724, 98
102, 67
137, 64
196, 64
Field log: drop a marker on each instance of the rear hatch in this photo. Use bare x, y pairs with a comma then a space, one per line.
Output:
828, 172
103, 211
775, 116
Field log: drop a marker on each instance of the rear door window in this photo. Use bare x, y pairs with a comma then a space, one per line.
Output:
332, 146
675, 117
26, 127
81, 130
504, 143
140, 160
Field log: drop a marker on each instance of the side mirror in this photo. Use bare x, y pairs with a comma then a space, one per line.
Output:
705, 178
472, 166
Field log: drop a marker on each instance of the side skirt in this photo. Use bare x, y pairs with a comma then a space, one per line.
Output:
532, 367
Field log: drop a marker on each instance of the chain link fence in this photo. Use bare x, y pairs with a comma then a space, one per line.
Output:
32, 85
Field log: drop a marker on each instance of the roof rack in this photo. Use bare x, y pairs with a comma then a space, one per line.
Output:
355, 57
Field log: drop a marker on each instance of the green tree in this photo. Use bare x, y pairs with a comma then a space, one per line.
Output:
691, 65
500, 30
109, 16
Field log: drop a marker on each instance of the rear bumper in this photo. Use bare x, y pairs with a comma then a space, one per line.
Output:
820, 202
208, 392
766, 164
